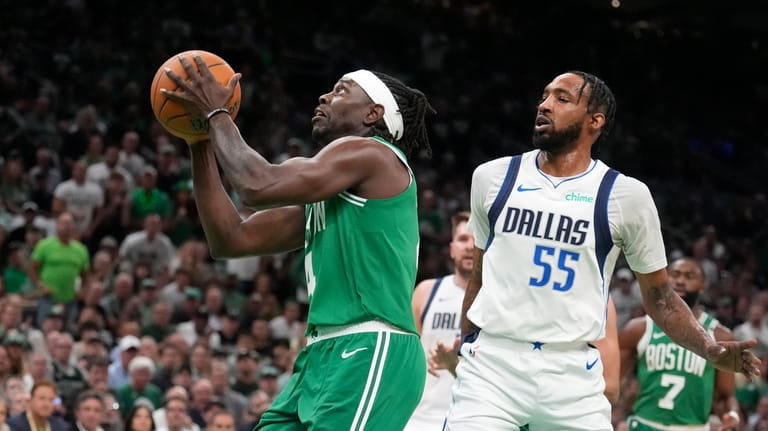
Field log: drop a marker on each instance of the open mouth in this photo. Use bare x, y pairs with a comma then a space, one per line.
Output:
542, 123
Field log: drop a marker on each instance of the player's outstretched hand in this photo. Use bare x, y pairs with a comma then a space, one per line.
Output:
735, 356
730, 421
442, 357
200, 93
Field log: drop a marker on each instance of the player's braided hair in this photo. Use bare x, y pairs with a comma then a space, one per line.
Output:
600, 100
414, 107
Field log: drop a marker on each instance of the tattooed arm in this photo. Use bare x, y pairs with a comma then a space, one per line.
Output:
674, 317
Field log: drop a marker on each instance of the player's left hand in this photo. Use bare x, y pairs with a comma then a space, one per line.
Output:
730, 422
735, 357
201, 93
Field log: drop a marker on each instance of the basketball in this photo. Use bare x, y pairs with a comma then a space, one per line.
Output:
174, 116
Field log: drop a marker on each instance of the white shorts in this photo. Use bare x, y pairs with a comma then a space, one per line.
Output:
503, 384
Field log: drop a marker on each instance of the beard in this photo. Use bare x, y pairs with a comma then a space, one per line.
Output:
556, 140
691, 298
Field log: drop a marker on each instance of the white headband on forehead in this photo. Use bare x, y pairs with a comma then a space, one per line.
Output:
380, 94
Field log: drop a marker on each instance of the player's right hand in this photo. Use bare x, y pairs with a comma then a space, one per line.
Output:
735, 357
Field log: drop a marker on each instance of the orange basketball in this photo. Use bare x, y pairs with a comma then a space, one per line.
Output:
173, 115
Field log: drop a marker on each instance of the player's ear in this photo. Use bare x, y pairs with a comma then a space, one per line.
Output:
375, 113
597, 121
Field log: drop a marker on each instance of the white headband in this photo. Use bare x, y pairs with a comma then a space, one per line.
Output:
380, 94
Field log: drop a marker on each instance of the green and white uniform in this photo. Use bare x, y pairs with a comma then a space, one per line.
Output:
363, 367
676, 385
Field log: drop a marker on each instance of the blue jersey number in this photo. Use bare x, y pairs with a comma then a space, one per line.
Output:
541, 258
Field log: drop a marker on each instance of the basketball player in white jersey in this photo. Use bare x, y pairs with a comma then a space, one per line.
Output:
437, 308
549, 225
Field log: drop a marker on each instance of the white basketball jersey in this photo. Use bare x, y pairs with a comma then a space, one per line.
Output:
551, 245
440, 321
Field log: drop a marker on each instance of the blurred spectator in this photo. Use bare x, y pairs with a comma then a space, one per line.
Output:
626, 296
130, 159
19, 403
39, 412
262, 337
222, 421
140, 419
201, 396
234, 402
97, 373
100, 173
45, 169
200, 360
197, 329
89, 412
288, 325
38, 370
169, 170
110, 221
187, 309
160, 326
75, 141
148, 348
69, 379
170, 359
149, 246
230, 328
3, 414
246, 372
214, 303
760, 415
700, 253
80, 198
15, 274
184, 224
40, 125
258, 403
756, 327
94, 151
118, 370
147, 199
174, 416
174, 292
30, 220
268, 380
56, 264
14, 185
113, 303
139, 387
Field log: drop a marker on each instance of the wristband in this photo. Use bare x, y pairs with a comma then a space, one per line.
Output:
215, 112
734, 415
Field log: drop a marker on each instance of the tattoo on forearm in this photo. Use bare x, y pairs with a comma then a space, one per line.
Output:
674, 317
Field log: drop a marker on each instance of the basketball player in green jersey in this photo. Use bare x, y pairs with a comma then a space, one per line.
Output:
677, 387
352, 207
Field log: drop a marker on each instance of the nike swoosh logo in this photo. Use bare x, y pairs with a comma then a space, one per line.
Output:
520, 188
445, 299
592, 364
657, 335
345, 354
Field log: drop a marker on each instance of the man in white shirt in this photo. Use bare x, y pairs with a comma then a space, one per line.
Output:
80, 198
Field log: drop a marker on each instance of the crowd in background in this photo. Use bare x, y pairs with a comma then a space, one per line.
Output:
141, 314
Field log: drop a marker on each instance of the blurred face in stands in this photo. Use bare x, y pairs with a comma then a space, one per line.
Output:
90, 413
41, 402
78, 172
140, 378
222, 422
141, 421
175, 413
687, 280
153, 224
65, 226
19, 403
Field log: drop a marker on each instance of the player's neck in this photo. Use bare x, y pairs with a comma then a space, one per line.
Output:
564, 164
461, 278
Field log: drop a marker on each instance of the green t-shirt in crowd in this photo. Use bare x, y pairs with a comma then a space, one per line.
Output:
60, 265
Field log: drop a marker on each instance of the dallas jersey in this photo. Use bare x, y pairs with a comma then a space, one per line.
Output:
440, 321
551, 245
360, 258
676, 385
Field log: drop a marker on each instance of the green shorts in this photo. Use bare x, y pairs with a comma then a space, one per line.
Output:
363, 381
638, 424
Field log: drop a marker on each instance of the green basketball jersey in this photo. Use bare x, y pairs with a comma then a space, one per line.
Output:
360, 258
676, 385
